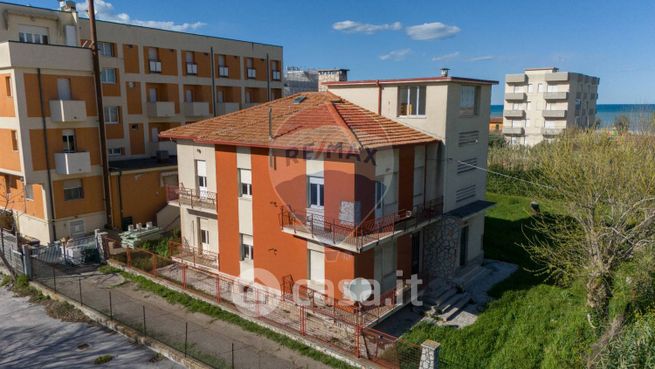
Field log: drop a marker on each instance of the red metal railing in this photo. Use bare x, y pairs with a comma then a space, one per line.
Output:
191, 197
193, 255
358, 235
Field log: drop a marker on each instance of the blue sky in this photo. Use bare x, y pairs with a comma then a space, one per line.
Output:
385, 39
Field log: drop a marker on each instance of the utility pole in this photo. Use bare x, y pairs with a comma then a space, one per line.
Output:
101, 116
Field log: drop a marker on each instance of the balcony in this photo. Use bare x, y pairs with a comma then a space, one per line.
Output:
67, 163
161, 109
52, 57
67, 111
193, 198
514, 113
554, 114
196, 109
193, 255
557, 77
154, 66
358, 237
191, 69
514, 96
226, 108
515, 78
556, 95
223, 71
552, 131
513, 131
252, 73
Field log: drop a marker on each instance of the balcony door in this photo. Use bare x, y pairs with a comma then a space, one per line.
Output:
64, 88
201, 178
385, 266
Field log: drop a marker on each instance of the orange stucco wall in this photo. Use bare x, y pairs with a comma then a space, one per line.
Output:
142, 193
137, 143
86, 139
230, 94
82, 88
91, 203
133, 98
9, 159
7, 108
16, 197
131, 58
115, 131
227, 208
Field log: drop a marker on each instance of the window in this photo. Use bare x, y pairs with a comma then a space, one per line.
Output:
115, 151
380, 189
411, 100
468, 138
223, 70
275, 68
68, 137
105, 48
247, 248
551, 88
245, 183
316, 192
529, 105
540, 88
530, 88
112, 115
108, 76
252, 73
188, 96
204, 237
64, 89
191, 67
33, 35
518, 88
152, 95
8, 86
153, 60
14, 140
469, 101
316, 264
467, 165
29, 192
201, 174
73, 189
465, 193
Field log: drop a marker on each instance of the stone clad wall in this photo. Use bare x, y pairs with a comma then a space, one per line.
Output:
441, 247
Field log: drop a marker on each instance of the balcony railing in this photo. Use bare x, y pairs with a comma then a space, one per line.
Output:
357, 236
191, 197
161, 109
192, 255
67, 163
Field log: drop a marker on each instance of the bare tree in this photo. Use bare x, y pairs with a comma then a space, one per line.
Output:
9, 201
606, 186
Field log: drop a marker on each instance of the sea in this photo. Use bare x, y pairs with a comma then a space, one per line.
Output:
607, 112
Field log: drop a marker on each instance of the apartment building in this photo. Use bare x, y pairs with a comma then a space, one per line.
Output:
541, 103
321, 188
152, 80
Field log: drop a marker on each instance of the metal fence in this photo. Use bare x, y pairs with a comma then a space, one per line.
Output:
12, 253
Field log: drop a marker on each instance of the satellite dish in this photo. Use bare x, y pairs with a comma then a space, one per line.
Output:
359, 289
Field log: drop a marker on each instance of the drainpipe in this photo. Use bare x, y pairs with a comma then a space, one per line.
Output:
377, 83
120, 194
212, 76
268, 77
425, 174
101, 117
46, 151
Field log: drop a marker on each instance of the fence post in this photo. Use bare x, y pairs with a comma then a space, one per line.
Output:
358, 330
429, 355
145, 332
54, 278
218, 289
232, 355
27, 259
302, 320
186, 337
184, 276
154, 265
79, 282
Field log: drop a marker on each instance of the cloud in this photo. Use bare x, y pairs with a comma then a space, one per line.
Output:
396, 55
350, 26
446, 56
482, 58
431, 31
105, 11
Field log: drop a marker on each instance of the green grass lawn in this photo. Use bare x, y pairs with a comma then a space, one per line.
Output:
531, 324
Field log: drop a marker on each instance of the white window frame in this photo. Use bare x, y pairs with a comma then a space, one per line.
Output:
108, 76
412, 108
112, 114
464, 101
245, 183
73, 190
68, 137
319, 183
115, 151
247, 249
105, 48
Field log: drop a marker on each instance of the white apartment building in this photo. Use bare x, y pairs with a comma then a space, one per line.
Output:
541, 103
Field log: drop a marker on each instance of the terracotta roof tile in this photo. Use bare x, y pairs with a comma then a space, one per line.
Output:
322, 121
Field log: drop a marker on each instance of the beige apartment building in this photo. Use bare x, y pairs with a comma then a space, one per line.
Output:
542, 102
51, 180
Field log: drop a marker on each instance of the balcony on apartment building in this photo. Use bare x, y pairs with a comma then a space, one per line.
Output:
161, 109
358, 237
514, 96
514, 113
554, 114
193, 198
513, 131
556, 95
196, 109
227, 107
67, 111
67, 163
195, 256
515, 78
52, 57
549, 132
557, 77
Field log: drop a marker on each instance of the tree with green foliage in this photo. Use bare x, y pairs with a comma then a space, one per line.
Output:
607, 188
622, 123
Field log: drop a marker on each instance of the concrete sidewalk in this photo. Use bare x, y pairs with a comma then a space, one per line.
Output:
32, 339
214, 341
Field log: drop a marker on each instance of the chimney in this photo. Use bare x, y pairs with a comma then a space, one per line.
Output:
67, 6
444, 72
331, 75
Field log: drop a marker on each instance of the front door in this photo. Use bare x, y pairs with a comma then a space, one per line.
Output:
416, 253
463, 246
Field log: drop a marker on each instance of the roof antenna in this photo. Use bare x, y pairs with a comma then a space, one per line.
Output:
270, 124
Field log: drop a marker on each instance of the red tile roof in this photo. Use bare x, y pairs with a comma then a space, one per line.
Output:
410, 80
320, 122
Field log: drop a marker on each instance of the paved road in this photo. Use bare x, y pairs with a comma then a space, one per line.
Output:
31, 339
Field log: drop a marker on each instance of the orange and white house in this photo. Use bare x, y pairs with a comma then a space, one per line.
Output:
51, 177
320, 188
